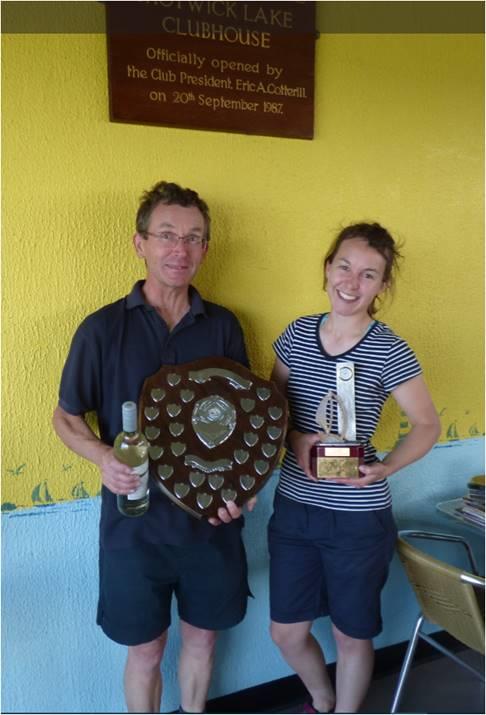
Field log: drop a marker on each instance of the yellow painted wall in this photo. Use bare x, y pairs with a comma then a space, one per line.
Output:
398, 139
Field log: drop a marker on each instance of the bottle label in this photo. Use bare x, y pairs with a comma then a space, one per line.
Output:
142, 490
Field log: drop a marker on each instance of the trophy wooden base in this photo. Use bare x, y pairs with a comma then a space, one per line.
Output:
337, 460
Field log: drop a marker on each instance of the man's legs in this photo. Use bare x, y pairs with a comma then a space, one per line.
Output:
143, 679
304, 655
212, 594
195, 666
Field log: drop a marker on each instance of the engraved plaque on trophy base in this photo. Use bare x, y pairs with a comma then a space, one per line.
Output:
337, 460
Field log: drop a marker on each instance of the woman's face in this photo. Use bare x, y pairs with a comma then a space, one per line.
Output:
355, 277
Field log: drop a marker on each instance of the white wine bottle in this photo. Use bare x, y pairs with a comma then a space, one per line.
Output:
131, 448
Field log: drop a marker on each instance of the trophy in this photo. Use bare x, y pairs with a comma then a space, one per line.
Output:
338, 455
215, 431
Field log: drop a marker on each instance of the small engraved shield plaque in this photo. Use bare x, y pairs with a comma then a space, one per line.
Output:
215, 431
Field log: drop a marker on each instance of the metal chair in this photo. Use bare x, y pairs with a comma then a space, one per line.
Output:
448, 597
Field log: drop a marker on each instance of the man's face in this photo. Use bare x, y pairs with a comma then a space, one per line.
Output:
172, 265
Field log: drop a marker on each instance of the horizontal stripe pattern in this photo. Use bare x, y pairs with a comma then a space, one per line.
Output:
382, 362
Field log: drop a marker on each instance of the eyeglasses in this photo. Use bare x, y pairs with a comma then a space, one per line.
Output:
168, 238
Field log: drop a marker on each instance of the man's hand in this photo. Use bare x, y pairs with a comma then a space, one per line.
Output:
78, 436
230, 512
116, 476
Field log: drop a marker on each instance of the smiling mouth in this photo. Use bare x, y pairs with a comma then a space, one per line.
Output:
173, 267
347, 297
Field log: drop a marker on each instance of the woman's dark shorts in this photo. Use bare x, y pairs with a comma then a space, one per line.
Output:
328, 562
209, 581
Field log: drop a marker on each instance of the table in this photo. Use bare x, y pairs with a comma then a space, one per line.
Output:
450, 508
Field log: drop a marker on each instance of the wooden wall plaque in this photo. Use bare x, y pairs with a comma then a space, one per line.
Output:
243, 67
215, 431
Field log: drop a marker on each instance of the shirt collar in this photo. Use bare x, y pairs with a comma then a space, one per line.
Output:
136, 299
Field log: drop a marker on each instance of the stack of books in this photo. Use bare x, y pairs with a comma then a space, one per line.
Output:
471, 507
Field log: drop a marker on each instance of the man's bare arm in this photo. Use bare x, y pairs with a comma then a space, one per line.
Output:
76, 434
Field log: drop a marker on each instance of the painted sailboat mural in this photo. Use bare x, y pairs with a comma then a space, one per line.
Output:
79, 492
452, 433
41, 495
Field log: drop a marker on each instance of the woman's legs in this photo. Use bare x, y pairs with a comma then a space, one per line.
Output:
304, 655
329, 562
354, 668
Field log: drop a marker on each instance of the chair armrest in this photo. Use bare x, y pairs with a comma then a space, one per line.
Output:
473, 580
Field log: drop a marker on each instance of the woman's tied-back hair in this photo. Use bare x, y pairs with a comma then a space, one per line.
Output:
378, 238
169, 194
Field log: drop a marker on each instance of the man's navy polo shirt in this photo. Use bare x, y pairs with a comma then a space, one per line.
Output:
113, 351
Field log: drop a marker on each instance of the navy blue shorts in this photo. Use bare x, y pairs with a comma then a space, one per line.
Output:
325, 562
209, 581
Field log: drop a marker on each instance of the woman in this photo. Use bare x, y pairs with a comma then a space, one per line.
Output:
331, 541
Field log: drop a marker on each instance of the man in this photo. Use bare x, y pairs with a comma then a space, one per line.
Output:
145, 560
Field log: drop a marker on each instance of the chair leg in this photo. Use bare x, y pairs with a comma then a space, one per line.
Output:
407, 662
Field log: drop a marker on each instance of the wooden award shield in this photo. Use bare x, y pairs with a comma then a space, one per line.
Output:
215, 432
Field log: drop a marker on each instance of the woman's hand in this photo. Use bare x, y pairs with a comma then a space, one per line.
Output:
301, 444
371, 473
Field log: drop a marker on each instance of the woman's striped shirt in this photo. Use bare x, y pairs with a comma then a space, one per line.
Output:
382, 362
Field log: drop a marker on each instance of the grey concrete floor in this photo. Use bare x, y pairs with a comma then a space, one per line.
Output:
435, 686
